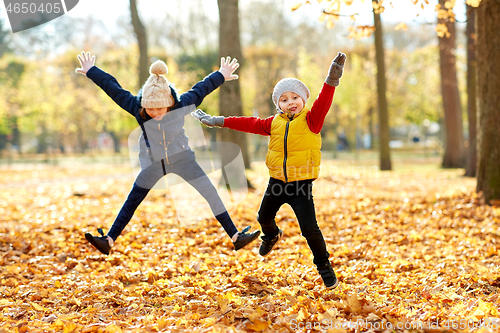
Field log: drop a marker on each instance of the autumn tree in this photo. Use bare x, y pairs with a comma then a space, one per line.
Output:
4, 48
333, 12
268, 64
471, 166
41, 103
488, 84
4, 40
413, 73
142, 41
383, 112
11, 76
230, 95
488, 99
454, 142
350, 105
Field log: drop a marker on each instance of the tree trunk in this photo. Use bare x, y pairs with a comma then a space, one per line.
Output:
230, 96
454, 140
82, 143
116, 141
4, 40
488, 99
142, 40
383, 112
470, 169
370, 126
42, 140
16, 133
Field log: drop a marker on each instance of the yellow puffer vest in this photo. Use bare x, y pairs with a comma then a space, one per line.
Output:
294, 151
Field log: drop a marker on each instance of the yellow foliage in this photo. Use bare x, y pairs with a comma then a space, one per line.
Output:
411, 245
473, 3
296, 6
258, 325
401, 26
333, 11
442, 30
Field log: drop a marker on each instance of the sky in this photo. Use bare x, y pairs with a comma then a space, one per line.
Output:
109, 11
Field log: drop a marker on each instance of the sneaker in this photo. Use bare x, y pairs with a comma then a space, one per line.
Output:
268, 243
328, 275
244, 238
100, 243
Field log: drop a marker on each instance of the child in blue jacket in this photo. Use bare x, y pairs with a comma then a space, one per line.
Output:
163, 145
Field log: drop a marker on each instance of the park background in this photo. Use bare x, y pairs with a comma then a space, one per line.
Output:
411, 241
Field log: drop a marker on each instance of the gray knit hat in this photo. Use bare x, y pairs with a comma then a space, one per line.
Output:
293, 85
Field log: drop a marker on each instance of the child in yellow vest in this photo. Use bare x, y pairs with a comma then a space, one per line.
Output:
293, 159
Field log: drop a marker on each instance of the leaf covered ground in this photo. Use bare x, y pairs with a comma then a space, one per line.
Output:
410, 247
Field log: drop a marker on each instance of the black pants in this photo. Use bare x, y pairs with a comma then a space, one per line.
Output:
298, 195
191, 172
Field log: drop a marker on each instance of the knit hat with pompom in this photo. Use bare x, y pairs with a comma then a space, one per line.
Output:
293, 85
156, 91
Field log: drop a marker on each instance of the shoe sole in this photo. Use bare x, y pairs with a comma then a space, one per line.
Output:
90, 239
280, 234
251, 240
334, 286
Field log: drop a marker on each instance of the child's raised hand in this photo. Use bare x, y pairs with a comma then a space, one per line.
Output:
336, 70
207, 119
86, 62
227, 67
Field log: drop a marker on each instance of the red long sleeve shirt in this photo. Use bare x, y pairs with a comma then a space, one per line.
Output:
315, 117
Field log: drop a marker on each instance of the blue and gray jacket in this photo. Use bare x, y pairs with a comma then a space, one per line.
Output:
162, 140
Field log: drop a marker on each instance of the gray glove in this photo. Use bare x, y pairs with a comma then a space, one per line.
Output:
336, 70
207, 119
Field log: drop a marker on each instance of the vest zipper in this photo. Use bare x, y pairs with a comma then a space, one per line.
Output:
284, 160
164, 143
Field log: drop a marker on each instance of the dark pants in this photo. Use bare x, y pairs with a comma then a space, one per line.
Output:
299, 196
191, 172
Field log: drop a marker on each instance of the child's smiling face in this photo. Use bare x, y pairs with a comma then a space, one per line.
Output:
157, 113
290, 102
